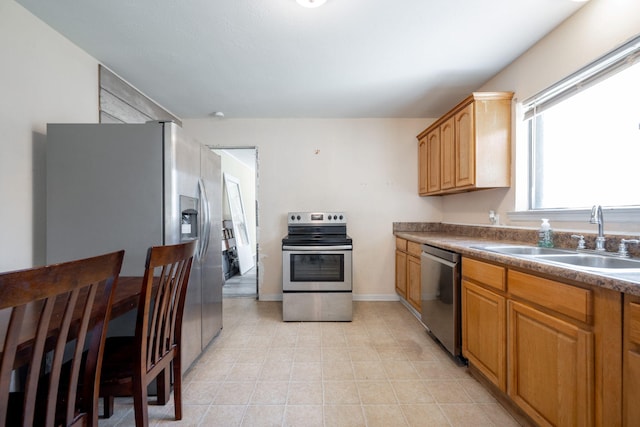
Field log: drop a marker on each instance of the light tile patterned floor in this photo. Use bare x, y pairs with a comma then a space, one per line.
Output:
379, 370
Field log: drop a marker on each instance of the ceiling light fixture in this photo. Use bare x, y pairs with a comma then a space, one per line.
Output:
311, 3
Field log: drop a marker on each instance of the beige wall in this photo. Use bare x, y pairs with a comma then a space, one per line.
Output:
365, 167
595, 29
43, 78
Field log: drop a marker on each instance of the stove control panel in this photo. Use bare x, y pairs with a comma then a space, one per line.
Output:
320, 218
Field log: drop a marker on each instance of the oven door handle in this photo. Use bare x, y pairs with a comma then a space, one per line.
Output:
317, 248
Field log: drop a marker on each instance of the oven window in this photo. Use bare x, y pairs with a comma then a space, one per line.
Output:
317, 267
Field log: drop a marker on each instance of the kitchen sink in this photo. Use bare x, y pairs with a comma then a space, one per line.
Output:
608, 264
523, 250
628, 275
592, 261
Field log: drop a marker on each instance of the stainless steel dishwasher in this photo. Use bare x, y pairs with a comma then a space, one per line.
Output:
440, 297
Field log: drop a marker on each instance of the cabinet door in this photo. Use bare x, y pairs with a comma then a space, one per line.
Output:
631, 362
447, 155
401, 274
465, 147
433, 161
551, 368
484, 332
631, 395
413, 282
423, 164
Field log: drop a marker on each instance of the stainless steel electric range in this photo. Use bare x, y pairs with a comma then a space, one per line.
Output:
316, 268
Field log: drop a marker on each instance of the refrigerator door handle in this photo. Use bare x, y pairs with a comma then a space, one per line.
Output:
206, 229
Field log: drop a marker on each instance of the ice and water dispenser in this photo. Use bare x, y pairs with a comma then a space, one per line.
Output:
188, 218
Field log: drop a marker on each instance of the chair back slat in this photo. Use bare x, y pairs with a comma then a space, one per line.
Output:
56, 313
8, 353
34, 369
58, 355
76, 362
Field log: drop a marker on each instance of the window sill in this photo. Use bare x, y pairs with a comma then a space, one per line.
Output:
620, 215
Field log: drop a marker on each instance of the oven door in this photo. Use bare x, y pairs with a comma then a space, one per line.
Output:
316, 268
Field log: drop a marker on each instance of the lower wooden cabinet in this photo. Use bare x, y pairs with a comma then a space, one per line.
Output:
413, 281
551, 368
484, 332
631, 362
551, 348
401, 273
408, 271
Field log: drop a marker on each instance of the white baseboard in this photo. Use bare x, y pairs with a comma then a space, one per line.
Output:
375, 297
356, 297
270, 297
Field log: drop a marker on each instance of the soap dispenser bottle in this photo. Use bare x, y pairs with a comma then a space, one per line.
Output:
545, 234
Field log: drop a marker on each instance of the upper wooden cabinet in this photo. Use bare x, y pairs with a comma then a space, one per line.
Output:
469, 148
447, 162
423, 159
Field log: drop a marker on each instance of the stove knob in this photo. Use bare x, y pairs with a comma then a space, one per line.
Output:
293, 217
341, 217
298, 217
335, 217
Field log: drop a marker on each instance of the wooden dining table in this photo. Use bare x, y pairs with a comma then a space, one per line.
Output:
126, 295
125, 298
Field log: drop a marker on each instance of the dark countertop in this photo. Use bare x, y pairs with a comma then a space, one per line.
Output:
462, 241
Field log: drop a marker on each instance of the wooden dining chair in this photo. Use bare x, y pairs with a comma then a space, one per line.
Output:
132, 363
49, 317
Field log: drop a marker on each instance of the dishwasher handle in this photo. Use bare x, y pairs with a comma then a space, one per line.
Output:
442, 254
439, 260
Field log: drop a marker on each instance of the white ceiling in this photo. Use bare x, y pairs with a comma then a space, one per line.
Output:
273, 58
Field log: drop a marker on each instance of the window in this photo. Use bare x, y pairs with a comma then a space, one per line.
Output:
584, 135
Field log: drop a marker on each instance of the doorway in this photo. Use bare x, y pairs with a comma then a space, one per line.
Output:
240, 163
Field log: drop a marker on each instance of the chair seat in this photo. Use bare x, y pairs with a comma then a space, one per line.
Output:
117, 364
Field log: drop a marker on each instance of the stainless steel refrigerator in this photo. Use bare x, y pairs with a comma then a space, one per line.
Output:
132, 186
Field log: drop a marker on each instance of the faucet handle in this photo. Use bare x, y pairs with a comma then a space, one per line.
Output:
580, 238
622, 247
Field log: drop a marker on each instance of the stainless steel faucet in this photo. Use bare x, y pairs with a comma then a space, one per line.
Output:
596, 218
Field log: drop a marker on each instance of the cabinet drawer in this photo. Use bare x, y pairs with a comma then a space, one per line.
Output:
634, 323
401, 244
486, 274
414, 249
566, 299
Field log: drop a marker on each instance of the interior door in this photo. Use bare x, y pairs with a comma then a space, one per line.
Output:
238, 216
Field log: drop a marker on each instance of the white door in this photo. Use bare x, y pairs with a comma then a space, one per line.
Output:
236, 207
